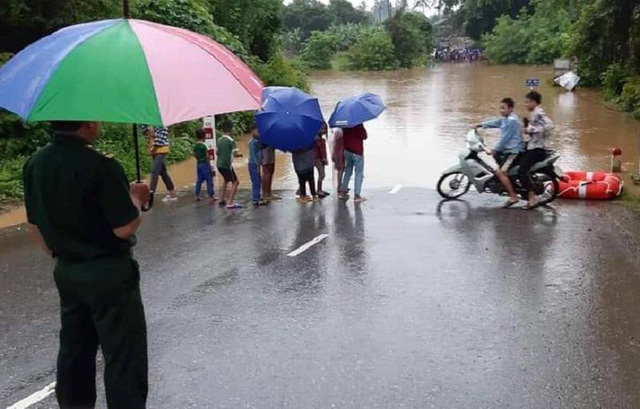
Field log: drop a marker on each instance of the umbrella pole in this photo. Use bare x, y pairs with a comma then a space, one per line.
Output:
125, 9
137, 150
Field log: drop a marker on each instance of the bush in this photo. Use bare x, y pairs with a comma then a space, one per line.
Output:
372, 53
630, 97
319, 50
613, 81
11, 178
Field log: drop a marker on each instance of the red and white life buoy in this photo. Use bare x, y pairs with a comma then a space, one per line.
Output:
590, 186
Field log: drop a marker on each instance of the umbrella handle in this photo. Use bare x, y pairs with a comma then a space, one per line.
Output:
147, 206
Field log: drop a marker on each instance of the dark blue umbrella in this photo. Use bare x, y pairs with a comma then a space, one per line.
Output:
356, 110
290, 119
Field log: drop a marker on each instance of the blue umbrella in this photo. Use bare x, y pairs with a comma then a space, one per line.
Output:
290, 119
356, 110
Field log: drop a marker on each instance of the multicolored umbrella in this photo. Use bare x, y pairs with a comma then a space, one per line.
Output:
128, 71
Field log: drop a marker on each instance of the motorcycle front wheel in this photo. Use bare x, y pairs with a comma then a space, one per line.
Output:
453, 185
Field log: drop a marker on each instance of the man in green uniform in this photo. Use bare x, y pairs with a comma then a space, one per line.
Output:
83, 212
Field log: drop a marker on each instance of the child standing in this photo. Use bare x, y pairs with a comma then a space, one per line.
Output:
226, 152
203, 167
320, 148
255, 159
303, 163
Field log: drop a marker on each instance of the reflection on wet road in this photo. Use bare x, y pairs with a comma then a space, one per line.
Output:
407, 302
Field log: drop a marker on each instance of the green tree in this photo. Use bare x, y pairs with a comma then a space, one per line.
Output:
257, 23
191, 15
343, 12
319, 50
372, 53
411, 36
308, 16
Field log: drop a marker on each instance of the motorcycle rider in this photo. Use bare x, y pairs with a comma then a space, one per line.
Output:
537, 130
508, 147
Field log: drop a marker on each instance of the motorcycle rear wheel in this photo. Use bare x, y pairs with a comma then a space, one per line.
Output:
551, 186
453, 185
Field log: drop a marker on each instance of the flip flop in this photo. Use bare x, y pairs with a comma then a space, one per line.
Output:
530, 206
234, 206
509, 203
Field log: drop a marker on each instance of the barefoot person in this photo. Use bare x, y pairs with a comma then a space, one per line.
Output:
158, 146
83, 213
320, 148
268, 167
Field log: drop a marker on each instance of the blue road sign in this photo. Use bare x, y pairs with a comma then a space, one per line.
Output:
532, 82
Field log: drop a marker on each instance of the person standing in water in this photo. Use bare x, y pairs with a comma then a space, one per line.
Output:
158, 147
268, 165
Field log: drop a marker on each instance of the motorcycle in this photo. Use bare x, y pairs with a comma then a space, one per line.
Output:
457, 180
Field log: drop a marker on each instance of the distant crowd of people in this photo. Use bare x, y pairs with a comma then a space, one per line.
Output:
346, 154
466, 54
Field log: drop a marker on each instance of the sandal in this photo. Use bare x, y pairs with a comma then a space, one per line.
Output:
530, 206
234, 206
509, 203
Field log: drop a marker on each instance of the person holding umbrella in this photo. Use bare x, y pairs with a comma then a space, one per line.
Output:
290, 121
79, 204
350, 114
83, 213
354, 160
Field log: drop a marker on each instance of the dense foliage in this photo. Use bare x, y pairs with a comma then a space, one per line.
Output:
334, 35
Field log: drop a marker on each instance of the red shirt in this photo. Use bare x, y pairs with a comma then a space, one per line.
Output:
354, 139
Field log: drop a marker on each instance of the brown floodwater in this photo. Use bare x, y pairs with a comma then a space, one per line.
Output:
429, 112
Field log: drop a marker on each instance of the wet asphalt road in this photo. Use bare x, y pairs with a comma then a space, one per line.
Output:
407, 303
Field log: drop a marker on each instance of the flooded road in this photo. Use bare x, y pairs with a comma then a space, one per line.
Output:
429, 111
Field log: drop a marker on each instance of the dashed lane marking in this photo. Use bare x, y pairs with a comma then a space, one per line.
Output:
41, 395
307, 245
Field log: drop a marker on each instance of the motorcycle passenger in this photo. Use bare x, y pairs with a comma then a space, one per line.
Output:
537, 130
508, 147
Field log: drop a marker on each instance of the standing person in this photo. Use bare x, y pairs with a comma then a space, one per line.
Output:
255, 158
158, 146
226, 152
537, 132
83, 213
337, 157
320, 148
354, 159
303, 163
268, 170
204, 171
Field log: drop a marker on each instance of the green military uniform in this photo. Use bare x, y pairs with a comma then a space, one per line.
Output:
77, 196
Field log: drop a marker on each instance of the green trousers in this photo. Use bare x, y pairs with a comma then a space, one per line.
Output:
101, 306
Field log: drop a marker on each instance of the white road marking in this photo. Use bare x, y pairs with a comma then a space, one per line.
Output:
395, 189
307, 245
35, 398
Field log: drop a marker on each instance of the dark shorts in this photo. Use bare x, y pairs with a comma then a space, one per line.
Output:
229, 175
506, 160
